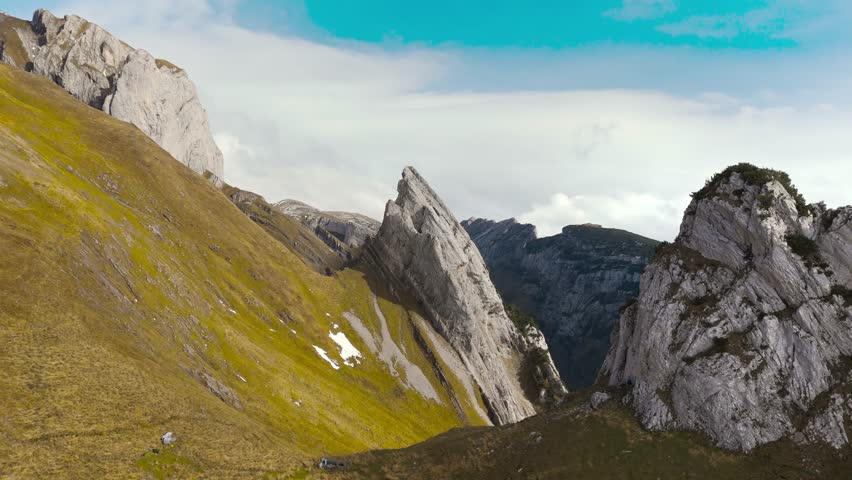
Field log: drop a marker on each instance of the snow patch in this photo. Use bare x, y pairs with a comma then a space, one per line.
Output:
348, 352
325, 357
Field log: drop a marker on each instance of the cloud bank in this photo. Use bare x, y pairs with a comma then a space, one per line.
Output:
333, 123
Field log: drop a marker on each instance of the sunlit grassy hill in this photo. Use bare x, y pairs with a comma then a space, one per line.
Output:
136, 299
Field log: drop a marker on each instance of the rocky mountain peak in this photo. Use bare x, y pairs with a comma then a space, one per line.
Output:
102, 71
743, 326
423, 249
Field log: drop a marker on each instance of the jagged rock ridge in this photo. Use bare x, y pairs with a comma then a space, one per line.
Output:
572, 284
743, 326
106, 73
422, 248
352, 229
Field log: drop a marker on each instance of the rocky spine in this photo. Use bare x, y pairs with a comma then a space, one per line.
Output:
423, 249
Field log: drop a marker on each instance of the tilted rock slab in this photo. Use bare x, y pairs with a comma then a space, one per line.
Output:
743, 326
424, 249
129, 84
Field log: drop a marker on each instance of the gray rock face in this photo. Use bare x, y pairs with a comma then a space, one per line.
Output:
743, 326
597, 399
352, 229
424, 250
572, 284
129, 84
168, 438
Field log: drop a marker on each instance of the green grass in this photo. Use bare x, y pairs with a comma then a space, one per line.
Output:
119, 271
842, 292
169, 65
753, 175
163, 463
13, 48
521, 320
579, 443
805, 248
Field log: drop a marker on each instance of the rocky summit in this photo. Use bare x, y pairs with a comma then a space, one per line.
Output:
352, 229
102, 71
572, 284
743, 326
423, 249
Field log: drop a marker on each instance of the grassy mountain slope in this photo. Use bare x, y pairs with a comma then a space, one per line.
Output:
136, 299
578, 442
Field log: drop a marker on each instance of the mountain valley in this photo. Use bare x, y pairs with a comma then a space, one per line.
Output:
158, 322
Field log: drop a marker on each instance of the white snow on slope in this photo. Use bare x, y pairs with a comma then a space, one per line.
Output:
325, 357
348, 352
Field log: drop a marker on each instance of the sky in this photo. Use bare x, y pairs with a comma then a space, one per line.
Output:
552, 112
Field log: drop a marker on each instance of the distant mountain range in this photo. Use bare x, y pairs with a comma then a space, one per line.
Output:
572, 284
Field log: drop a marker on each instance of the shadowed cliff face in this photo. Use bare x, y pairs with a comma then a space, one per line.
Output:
572, 284
742, 327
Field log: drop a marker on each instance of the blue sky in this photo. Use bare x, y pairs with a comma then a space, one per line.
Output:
552, 24
555, 112
558, 24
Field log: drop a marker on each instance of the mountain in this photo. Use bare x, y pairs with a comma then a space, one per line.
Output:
137, 299
577, 440
341, 231
106, 73
572, 284
421, 248
743, 326
735, 360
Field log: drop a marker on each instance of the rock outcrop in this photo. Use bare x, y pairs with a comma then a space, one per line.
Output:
572, 284
106, 73
743, 326
423, 249
296, 237
353, 229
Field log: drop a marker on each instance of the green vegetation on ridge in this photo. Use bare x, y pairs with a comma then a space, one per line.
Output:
575, 441
753, 175
126, 278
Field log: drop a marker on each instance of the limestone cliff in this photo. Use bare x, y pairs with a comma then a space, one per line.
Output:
423, 249
742, 328
352, 229
106, 73
572, 284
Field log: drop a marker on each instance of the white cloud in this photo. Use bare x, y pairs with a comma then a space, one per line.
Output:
631, 10
645, 214
333, 125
